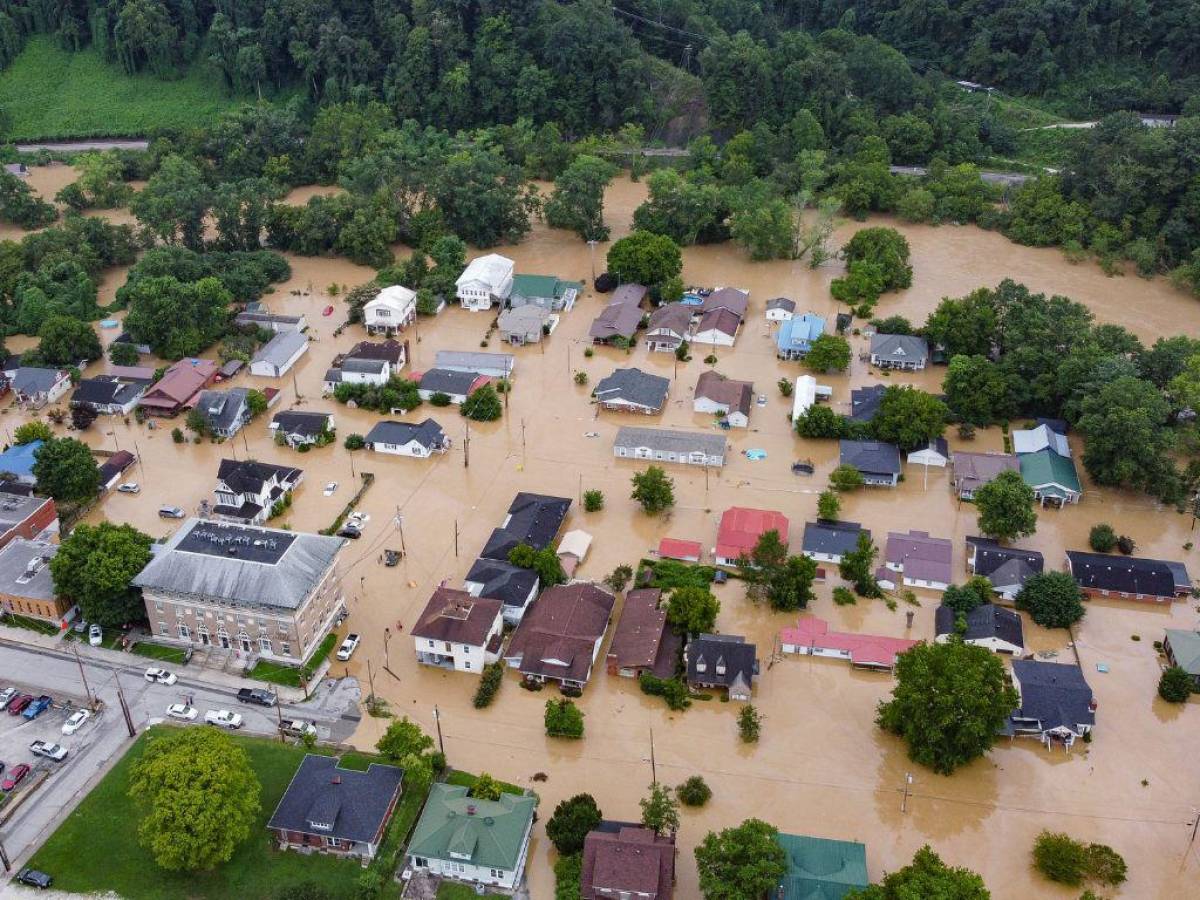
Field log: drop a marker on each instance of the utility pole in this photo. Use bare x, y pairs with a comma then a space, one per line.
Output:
592, 255
653, 766
141, 471
279, 717
387, 636
4, 858
907, 787
296, 386
581, 489
1192, 839
522, 442
87, 691
124, 705
467, 446
352, 473
371, 681
437, 718
456, 537
400, 528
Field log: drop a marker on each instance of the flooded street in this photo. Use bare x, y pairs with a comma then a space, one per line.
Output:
822, 767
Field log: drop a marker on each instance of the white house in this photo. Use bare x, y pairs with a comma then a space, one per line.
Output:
459, 631
485, 281
277, 356
393, 309
473, 840
246, 490
806, 393
994, 627
36, 387
780, 309
717, 328
718, 395
419, 440
935, 453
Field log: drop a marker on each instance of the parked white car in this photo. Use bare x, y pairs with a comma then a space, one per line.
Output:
223, 718
349, 645
161, 676
130, 487
56, 752
182, 711
95, 635
330, 488
6, 695
76, 721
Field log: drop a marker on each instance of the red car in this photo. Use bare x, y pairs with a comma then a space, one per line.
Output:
328, 311
15, 776
17, 705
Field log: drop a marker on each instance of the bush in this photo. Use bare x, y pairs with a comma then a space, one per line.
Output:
354, 442
123, 354
567, 873
619, 577
845, 478
843, 596
1063, 859
1126, 544
749, 723
1102, 538
439, 398
711, 359
694, 792
593, 501
177, 435
581, 377
489, 684
563, 719
1175, 685
588, 352
30, 432
785, 386
672, 690
573, 818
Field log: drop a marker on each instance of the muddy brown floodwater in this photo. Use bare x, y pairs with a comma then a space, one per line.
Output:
822, 767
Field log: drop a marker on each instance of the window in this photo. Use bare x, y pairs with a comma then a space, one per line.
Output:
264, 644
157, 606
420, 862
162, 628
466, 664
286, 649
185, 632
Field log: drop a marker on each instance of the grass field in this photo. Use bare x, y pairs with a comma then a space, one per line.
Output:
289, 676
39, 625
96, 848
159, 652
54, 94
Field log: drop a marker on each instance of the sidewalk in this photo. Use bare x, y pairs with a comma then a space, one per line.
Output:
56, 645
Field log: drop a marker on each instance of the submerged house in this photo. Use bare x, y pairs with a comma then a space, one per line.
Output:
718, 395
486, 281
906, 352
878, 462
643, 640
1007, 568
1052, 477
722, 661
458, 631
247, 490
560, 635
820, 869
811, 637
632, 390
179, 387
920, 560
987, 625
740, 529
1056, 704
796, 335
549, 292
393, 309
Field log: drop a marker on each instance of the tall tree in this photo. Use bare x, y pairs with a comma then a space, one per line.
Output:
908, 418
573, 818
949, 703
1005, 507
927, 877
660, 810
740, 863
645, 258
65, 469
577, 203
653, 489
198, 795
692, 610
1052, 599
174, 202
95, 566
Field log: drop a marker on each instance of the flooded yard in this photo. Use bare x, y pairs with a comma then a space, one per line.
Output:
821, 767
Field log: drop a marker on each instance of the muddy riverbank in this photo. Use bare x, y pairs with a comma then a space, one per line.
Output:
822, 767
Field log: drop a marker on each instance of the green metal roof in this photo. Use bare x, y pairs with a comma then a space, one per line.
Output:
1185, 647
1044, 469
486, 833
820, 869
542, 286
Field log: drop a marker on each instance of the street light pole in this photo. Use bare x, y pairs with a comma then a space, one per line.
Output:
387, 636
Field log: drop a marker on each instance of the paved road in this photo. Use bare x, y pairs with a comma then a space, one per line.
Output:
1005, 178
101, 742
83, 146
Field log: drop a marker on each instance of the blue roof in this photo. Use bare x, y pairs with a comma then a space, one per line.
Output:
19, 459
799, 332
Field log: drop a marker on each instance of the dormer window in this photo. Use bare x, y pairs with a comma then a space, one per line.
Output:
701, 665
720, 667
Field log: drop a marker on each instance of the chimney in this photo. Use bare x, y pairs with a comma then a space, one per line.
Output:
337, 779
471, 809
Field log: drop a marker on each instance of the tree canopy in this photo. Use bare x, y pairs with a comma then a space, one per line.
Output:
949, 703
94, 567
1005, 507
66, 470
1052, 599
742, 862
198, 798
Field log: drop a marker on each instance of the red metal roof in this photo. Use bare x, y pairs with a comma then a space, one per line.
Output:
741, 528
674, 548
864, 649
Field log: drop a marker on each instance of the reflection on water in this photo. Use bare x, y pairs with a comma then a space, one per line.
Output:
822, 767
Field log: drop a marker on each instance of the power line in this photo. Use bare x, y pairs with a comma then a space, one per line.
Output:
657, 24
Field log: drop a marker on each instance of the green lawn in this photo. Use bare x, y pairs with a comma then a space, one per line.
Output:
289, 676
51, 93
41, 626
466, 779
96, 848
159, 652
448, 890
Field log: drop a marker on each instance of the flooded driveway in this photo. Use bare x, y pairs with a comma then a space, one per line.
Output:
822, 767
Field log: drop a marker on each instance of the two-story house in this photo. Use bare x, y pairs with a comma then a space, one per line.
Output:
486, 281
458, 631
393, 309
247, 490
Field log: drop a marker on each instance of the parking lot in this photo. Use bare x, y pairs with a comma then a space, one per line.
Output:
17, 733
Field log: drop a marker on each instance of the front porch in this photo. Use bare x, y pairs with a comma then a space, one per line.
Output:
439, 660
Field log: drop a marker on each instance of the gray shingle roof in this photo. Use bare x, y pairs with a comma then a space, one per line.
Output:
899, 347
985, 621
197, 560
473, 361
864, 402
502, 581
871, 457
1055, 694
308, 424
279, 349
671, 440
428, 434
741, 665
356, 805
448, 381
533, 519
633, 386
30, 380
222, 408
1005, 566
835, 538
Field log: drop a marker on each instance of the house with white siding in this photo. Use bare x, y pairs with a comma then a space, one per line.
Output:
417, 439
458, 631
485, 282
393, 309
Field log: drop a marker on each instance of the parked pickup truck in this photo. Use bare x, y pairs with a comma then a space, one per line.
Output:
56, 752
37, 707
259, 696
223, 718
297, 728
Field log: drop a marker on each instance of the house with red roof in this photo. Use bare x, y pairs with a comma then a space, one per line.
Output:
740, 529
624, 860
674, 548
812, 637
179, 387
